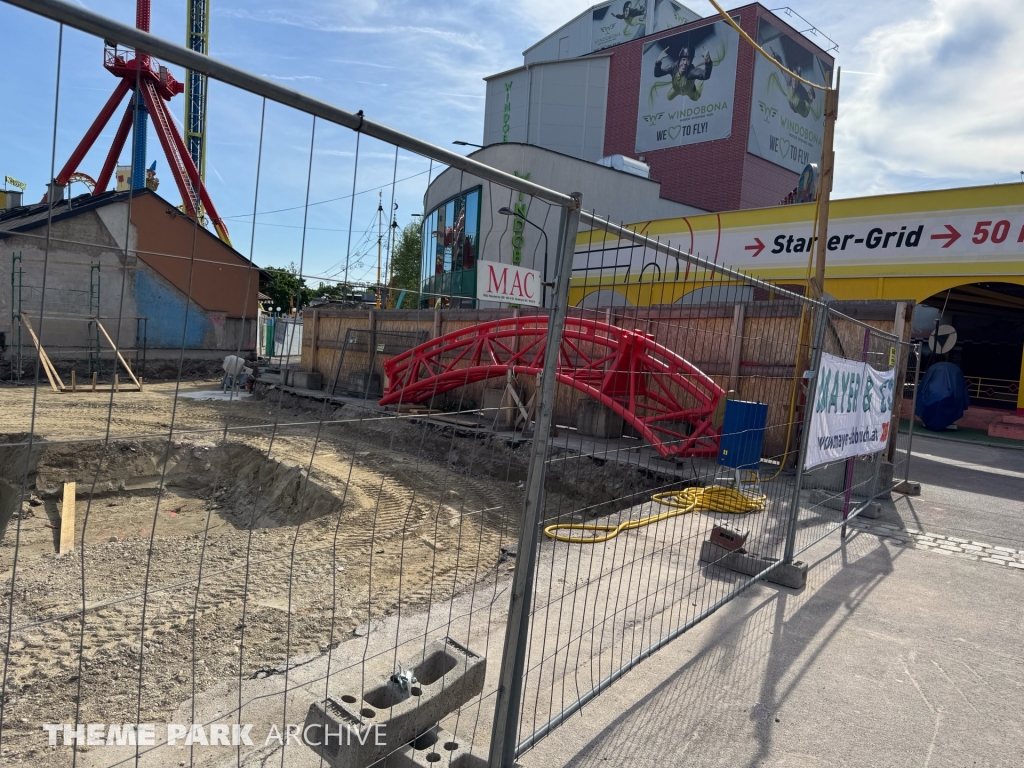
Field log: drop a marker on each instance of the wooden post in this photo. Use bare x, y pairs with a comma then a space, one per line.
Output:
825, 174
73, 382
119, 357
313, 341
115, 382
67, 519
94, 375
736, 351
437, 322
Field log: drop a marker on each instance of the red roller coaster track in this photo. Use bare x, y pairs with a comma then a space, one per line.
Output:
660, 394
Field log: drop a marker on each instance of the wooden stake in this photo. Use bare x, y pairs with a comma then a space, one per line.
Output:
119, 357
44, 360
115, 382
67, 519
94, 375
73, 382
828, 160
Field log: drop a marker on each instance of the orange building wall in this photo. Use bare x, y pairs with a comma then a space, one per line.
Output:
217, 277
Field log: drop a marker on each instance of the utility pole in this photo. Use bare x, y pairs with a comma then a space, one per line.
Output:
380, 238
828, 162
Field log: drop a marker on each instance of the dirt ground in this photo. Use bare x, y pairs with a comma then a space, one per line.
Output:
291, 554
294, 556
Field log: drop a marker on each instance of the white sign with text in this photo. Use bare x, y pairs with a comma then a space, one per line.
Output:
852, 411
508, 283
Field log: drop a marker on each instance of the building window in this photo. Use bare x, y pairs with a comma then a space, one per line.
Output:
451, 237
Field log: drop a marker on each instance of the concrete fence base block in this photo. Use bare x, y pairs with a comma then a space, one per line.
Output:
499, 403
352, 731
792, 575
436, 747
830, 500
908, 487
306, 379
594, 419
832, 477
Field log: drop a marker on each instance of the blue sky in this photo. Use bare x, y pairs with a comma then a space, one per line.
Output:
932, 97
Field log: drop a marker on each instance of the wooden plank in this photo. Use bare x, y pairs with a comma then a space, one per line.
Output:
43, 360
735, 353
67, 519
119, 357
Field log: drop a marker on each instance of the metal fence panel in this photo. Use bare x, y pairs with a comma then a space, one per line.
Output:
479, 522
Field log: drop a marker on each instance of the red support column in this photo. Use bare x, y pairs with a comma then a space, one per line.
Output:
90, 135
115, 150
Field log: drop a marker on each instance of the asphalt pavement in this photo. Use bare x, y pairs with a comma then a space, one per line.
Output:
904, 649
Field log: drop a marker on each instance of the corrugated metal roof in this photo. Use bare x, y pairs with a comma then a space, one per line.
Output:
36, 215
30, 217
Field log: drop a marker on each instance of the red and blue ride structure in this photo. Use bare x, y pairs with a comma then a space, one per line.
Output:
666, 399
152, 86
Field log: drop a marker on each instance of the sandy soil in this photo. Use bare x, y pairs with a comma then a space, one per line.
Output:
294, 556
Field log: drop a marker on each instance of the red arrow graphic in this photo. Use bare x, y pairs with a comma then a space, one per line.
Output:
950, 236
757, 248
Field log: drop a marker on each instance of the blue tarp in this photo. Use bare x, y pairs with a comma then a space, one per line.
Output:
942, 396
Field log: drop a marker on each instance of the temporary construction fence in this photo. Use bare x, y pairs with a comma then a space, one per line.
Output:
442, 579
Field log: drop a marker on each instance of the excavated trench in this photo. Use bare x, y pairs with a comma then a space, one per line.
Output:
249, 489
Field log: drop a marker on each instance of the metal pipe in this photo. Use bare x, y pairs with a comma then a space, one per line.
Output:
513, 660
812, 384
913, 407
505, 211
114, 31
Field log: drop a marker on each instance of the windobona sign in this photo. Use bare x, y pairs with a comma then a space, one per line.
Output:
508, 283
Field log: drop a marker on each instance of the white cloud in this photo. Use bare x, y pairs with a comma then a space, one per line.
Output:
292, 77
321, 24
946, 105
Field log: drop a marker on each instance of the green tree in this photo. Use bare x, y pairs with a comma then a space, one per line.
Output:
286, 286
406, 264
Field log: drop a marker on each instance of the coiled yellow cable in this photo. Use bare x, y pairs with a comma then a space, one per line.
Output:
715, 498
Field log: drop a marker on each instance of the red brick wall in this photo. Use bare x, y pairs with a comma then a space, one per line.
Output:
714, 175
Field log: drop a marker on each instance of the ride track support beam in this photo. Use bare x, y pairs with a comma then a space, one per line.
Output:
164, 131
92, 134
196, 180
662, 395
115, 150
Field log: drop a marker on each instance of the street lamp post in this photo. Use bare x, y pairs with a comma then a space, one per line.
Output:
468, 144
504, 211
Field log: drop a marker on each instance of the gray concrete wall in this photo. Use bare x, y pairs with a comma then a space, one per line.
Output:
74, 245
576, 38
129, 289
558, 105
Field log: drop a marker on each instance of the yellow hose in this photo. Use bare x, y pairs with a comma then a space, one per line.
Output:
715, 498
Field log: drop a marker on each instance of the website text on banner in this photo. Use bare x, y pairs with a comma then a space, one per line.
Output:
852, 411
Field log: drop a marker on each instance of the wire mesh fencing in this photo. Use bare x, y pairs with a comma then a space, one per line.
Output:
403, 526
232, 561
656, 343
903, 447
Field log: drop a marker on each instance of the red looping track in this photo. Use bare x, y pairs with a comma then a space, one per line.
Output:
664, 397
